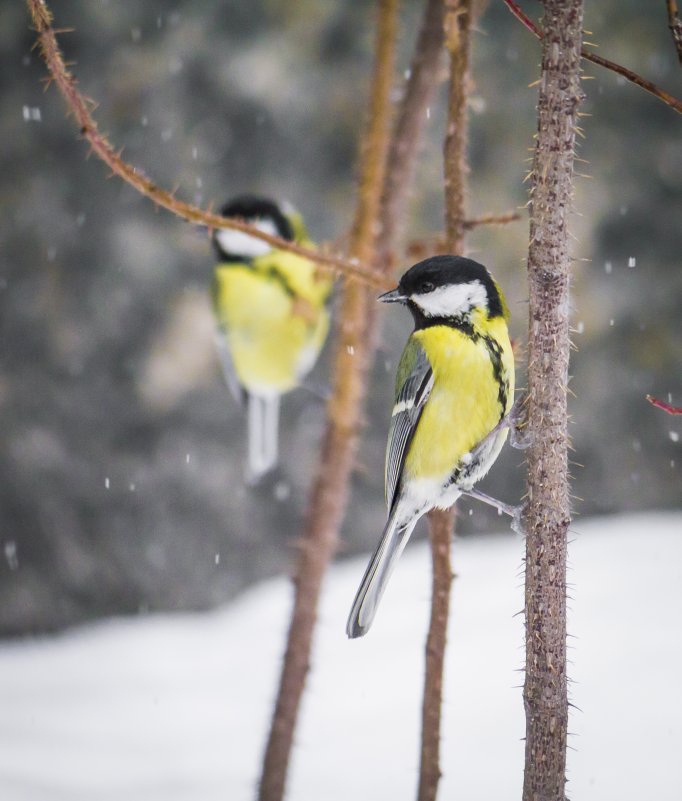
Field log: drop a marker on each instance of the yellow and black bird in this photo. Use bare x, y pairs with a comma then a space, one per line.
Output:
453, 394
271, 310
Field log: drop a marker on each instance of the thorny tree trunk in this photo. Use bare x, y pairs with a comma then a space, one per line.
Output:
329, 495
547, 512
457, 25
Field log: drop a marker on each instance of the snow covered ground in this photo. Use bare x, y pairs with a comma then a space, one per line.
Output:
175, 708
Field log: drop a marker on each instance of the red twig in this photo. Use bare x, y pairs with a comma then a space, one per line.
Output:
526, 21
631, 76
659, 404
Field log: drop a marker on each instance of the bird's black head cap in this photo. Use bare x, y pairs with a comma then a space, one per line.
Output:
251, 208
440, 271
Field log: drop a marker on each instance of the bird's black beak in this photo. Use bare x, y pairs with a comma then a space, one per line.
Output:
394, 296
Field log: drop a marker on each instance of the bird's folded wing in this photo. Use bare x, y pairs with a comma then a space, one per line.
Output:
413, 387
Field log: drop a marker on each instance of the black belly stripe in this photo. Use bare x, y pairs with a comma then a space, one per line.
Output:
466, 327
495, 352
462, 471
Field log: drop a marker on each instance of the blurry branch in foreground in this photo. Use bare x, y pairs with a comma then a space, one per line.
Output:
424, 71
329, 495
675, 26
490, 219
629, 75
458, 21
373, 240
546, 512
78, 105
659, 404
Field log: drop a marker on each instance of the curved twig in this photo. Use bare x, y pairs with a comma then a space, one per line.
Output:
626, 73
100, 145
458, 23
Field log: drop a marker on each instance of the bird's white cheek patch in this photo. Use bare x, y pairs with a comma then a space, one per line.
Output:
452, 300
240, 244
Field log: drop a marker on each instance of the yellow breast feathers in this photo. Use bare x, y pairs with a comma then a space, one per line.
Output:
473, 389
273, 313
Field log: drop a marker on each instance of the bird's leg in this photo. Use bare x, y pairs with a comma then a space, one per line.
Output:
517, 420
515, 512
501, 506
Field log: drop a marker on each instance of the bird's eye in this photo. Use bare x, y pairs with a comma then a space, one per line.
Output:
427, 286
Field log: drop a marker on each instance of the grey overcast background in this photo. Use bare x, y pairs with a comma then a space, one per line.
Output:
121, 477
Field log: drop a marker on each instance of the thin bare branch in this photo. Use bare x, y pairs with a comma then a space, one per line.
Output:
546, 514
440, 535
78, 104
633, 77
330, 491
418, 91
491, 219
436, 243
667, 407
357, 325
458, 42
675, 26
457, 25
626, 73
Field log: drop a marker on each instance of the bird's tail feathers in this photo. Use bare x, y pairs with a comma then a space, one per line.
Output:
263, 415
393, 541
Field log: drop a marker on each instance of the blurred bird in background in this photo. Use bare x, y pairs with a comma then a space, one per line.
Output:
453, 396
272, 318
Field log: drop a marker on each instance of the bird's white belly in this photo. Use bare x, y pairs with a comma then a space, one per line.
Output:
421, 495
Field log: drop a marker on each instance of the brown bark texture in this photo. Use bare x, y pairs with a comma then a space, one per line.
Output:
351, 361
547, 509
457, 27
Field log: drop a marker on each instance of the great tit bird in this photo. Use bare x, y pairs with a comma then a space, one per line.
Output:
272, 318
453, 392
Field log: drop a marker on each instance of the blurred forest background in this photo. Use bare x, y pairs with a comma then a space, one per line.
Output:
121, 453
